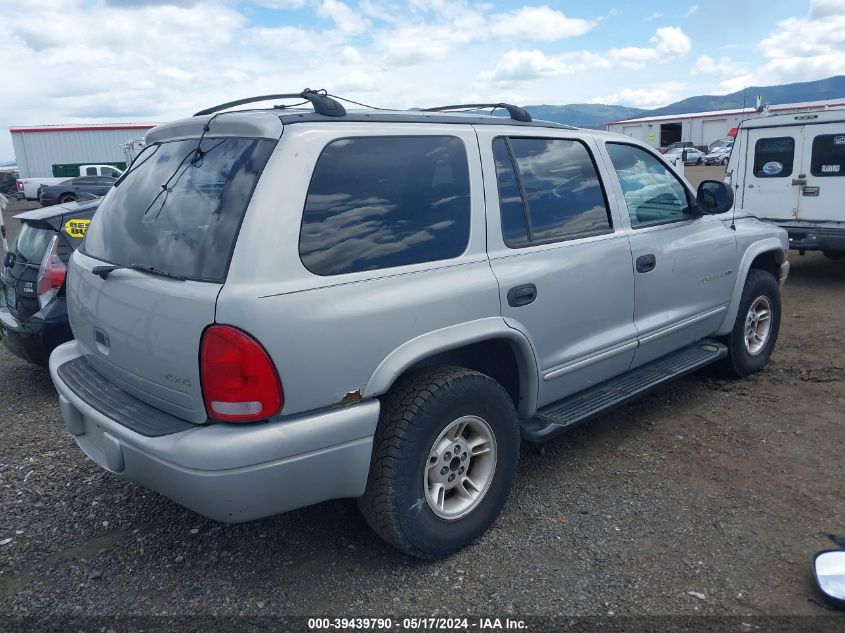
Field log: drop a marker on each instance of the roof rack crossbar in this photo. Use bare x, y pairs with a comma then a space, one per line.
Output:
323, 104
516, 113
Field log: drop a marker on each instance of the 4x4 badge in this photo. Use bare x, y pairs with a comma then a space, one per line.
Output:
178, 381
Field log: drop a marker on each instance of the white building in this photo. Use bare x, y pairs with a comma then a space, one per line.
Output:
42, 151
702, 128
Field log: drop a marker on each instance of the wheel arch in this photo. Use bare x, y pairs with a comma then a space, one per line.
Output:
487, 345
768, 255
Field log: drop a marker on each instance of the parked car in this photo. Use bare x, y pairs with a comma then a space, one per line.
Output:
290, 307
30, 188
789, 169
70, 190
8, 183
33, 310
687, 155
719, 156
682, 145
722, 142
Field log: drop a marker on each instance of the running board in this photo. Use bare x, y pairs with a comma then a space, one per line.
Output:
580, 407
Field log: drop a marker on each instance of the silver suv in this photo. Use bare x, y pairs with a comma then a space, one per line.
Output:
277, 307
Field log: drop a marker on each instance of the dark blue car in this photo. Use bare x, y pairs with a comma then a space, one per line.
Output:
75, 189
33, 312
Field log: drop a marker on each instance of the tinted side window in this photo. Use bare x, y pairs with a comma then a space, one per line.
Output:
773, 157
90, 171
828, 157
87, 180
381, 202
652, 192
560, 189
511, 207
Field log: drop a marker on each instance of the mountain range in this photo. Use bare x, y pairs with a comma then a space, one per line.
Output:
595, 115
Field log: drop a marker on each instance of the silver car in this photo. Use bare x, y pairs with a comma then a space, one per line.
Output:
689, 155
277, 307
719, 156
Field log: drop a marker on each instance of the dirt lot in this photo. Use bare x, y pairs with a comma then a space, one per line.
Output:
705, 497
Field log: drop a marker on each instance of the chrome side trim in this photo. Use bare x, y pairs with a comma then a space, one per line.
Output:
681, 324
584, 362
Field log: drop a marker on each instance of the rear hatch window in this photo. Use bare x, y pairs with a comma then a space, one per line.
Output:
20, 270
179, 208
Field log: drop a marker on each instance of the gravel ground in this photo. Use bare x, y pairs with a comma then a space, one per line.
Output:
705, 497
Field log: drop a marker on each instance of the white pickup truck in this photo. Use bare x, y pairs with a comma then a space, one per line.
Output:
29, 187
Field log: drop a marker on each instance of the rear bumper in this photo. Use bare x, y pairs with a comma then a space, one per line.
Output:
230, 472
34, 339
815, 238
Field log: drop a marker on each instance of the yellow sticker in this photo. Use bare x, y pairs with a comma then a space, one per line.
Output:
77, 228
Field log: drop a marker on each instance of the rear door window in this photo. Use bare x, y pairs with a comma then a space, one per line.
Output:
387, 201
828, 156
180, 207
773, 157
549, 191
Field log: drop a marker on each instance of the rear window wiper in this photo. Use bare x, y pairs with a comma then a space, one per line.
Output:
104, 271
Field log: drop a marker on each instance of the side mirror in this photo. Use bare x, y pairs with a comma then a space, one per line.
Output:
829, 572
714, 197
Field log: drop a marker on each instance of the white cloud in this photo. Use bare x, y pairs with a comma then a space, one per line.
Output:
654, 16
457, 22
538, 23
529, 65
281, 4
652, 97
669, 42
346, 20
706, 65
692, 10
526, 66
801, 48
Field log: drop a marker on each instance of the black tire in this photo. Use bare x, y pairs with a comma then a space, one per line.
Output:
725, 161
67, 197
740, 361
413, 415
699, 161
834, 255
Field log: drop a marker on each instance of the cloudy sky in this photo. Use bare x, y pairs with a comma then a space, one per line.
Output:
154, 60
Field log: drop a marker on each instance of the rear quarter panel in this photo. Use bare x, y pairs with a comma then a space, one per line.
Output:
328, 335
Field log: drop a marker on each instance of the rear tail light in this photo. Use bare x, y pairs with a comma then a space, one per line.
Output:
19, 184
51, 274
239, 381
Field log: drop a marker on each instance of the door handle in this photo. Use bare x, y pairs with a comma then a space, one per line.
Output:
810, 191
799, 182
646, 263
519, 296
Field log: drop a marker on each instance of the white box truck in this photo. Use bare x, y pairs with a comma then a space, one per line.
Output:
789, 169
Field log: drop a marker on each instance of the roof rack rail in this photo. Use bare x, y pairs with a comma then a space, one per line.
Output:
323, 104
517, 113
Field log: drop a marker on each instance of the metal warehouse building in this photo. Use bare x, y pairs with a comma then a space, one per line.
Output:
42, 151
702, 128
